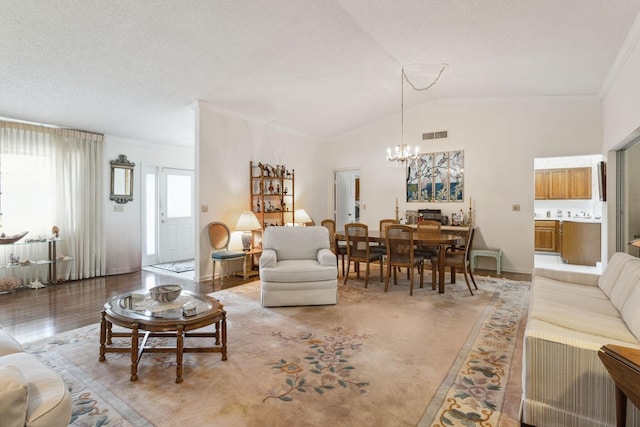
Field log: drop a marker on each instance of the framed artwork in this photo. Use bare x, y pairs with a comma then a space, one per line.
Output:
436, 177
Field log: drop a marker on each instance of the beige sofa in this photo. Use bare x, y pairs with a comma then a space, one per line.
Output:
571, 316
31, 394
297, 267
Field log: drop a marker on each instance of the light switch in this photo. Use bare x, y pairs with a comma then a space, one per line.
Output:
515, 208
204, 208
118, 208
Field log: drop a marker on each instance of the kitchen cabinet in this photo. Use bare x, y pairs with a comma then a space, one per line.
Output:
558, 183
580, 183
580, 243
542, 184
547, 236
563, 184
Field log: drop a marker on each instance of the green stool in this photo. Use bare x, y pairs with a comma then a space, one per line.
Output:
492, 253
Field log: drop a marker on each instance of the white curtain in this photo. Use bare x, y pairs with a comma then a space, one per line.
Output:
54, 177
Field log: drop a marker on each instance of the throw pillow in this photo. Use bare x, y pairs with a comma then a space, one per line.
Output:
14, 393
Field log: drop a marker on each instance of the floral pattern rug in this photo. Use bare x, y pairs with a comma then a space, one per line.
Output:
361, 362
473, 394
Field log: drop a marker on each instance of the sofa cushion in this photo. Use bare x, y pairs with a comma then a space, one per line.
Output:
627, 280
49, 400
582, 320
8, 344
14, 393
611, 273
631, 312
296, 242
307, 270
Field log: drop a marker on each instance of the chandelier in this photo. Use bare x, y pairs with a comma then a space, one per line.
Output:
403, 154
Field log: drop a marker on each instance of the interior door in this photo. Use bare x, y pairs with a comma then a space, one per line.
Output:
347, 205
176, 215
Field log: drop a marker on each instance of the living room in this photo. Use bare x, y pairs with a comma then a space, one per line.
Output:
500, 136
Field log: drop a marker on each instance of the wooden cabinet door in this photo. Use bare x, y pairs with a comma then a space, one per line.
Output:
546, 237
580, 183
580, 243
558, 184
542, 184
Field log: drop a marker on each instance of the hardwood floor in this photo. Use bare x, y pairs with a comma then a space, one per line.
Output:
31, 314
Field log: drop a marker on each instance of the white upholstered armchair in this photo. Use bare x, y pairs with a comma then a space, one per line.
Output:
297, 267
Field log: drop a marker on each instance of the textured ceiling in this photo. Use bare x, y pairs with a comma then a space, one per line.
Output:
134, 68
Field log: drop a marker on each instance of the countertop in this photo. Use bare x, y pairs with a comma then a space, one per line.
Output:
570, 219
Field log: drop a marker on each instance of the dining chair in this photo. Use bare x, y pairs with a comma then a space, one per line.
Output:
462, 261
219, 237
429, 227
400, 253
336, 247
358, 250
381, 247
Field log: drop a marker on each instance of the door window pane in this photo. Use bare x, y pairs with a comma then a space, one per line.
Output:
178, 196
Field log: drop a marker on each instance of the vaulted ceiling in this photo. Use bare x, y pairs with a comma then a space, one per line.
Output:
134, 68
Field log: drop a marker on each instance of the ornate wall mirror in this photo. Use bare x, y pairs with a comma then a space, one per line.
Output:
121, 179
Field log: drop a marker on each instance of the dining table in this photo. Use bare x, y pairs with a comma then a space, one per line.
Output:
440, 240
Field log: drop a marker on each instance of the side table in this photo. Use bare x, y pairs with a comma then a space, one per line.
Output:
623, 364
247, 265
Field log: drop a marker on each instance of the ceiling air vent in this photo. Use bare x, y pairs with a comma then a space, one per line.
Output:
434, 135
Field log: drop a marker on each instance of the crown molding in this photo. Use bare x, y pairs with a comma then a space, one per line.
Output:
624, 53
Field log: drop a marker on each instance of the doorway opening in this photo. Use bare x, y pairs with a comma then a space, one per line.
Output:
346, 197
167, 215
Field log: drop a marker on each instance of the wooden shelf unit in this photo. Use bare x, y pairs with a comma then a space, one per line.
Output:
272, 191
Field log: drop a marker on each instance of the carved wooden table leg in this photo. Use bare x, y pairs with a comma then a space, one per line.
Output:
179, 349
103, 336
223, 322
109, 332
134, 352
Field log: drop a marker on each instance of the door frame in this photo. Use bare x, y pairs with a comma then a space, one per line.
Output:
156, 198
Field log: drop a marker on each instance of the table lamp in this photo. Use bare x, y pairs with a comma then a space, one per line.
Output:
301, 217
247, 223
636, 243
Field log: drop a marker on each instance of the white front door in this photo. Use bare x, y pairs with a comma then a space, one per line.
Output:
175, 241
168, 219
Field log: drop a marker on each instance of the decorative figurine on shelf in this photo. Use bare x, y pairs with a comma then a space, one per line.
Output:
283, 171
258, 208
271, 187
284, 206
270, 208
56, 232
285, 191
277, 188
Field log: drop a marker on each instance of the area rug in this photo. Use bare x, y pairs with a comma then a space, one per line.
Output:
177, 267
374, 359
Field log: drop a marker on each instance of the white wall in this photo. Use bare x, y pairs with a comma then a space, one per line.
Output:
124, 229
224, 146
621, 120
500, 141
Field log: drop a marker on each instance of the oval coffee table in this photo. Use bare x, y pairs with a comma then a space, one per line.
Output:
136, 311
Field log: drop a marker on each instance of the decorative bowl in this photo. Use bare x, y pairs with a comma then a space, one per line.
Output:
165, 293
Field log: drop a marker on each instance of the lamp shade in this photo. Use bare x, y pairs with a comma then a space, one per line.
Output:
635, 243
301, 216
248, 222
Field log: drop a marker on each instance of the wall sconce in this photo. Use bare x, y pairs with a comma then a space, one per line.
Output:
247, 223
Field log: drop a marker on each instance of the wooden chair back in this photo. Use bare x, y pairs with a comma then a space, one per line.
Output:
357, 237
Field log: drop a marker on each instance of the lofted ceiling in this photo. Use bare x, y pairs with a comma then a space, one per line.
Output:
134, 69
